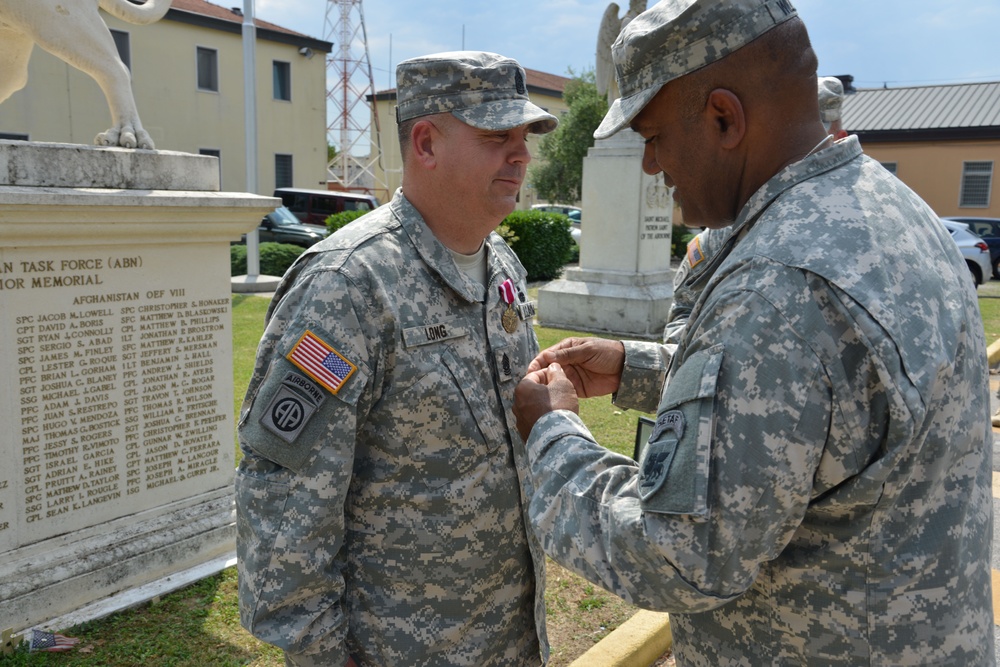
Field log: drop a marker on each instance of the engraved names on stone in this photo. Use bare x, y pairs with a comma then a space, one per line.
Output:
117, 392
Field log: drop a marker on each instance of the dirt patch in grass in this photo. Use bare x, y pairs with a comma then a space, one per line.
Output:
579, 614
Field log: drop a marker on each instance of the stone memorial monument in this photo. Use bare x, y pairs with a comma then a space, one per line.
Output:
624, 284
117, 446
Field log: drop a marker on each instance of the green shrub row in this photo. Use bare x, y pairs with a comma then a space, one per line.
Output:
338, 220
275, 258
540, 240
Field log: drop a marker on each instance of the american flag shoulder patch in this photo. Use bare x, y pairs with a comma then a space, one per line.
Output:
695, 255
321, 362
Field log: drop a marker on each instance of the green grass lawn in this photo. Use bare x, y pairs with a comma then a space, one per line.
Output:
198, 626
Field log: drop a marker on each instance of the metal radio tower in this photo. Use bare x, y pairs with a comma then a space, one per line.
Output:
349, 83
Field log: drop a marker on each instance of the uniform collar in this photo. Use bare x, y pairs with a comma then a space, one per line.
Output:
436, 255
828, 159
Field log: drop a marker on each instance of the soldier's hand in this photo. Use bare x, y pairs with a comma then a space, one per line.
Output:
540, 392
593, 365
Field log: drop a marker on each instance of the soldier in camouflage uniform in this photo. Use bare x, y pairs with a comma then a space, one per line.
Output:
381, 497
816, 489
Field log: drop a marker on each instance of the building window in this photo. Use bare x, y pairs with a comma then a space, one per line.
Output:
208, 69
216, 153
123, 46
282, 171
977, 180
889, 167
282, 81
13, 137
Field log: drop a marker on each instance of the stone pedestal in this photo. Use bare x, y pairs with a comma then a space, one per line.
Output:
624, 283
117, 412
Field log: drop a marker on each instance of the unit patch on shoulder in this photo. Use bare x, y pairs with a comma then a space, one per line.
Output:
695, 254
655, 465
321, 362
292, 406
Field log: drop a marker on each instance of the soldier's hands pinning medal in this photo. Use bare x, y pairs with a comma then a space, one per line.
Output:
543, 391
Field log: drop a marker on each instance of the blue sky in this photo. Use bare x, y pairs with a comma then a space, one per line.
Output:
879, 42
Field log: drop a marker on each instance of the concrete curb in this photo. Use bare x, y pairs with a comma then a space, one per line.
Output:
993, 353
637, 642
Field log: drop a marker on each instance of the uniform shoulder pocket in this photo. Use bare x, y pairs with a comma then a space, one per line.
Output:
674, 466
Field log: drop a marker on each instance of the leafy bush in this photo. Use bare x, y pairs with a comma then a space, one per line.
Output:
338, 220
680, 236
541, 241
275, 258
237, 260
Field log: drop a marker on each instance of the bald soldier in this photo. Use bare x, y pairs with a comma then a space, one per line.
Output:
695, 267
816, 489
381, 519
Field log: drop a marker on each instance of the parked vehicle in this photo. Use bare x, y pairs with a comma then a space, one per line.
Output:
281, 226
988, 229
574, 213
313, 207
974, 250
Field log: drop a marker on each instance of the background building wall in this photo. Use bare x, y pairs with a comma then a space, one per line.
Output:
62, 104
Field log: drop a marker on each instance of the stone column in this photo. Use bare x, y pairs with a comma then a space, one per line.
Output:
117, 410
624, 283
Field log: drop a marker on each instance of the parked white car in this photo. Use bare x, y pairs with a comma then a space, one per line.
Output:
974, 250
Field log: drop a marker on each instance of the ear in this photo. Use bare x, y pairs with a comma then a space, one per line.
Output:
726, 113
422, 143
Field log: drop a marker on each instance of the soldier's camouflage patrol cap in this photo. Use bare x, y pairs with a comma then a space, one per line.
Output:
831, 96
676, 37
484, 90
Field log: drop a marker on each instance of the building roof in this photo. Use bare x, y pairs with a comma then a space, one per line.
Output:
954, 111
537, 82
200, 12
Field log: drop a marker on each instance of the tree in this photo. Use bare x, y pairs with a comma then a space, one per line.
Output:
558, 177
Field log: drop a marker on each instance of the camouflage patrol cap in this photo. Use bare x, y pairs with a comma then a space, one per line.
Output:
676, 37
484, 90
831, 96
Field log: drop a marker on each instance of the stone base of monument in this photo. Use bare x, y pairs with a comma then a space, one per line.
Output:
634, 305
624, 283
115, 312
255, 284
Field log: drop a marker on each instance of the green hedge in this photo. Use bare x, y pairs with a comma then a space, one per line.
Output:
540, 240
275, 258
338, 220
680, 237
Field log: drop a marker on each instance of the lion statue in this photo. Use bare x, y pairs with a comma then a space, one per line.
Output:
74, 31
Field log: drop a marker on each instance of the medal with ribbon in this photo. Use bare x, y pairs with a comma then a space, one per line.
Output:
509, 318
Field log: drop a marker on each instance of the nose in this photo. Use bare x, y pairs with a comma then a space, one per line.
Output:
519, 149
649, 164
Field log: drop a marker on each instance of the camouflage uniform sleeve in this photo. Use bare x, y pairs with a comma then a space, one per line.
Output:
298, 439
722, 485
642, 378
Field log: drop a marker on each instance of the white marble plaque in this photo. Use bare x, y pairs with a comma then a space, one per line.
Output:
117, 413
124, 384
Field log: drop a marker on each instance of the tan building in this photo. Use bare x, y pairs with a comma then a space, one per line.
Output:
545, 90
942, 141
187, 74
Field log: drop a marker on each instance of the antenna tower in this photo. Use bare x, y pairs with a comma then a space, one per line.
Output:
349, 83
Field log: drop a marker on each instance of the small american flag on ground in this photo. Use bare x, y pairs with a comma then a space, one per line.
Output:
49, 641
321, 362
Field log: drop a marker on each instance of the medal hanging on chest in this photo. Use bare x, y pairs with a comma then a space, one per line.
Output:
509, 319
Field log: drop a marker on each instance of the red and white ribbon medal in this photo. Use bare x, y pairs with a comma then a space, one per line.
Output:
509, 319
